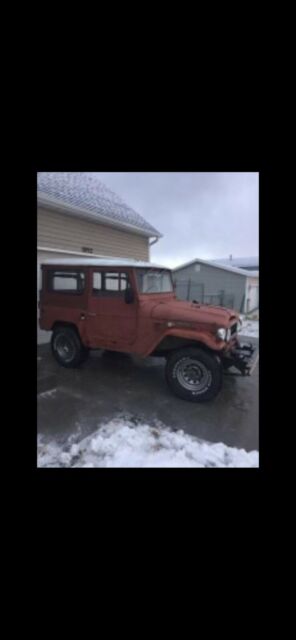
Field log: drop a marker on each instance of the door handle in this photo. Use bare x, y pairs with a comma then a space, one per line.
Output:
92, 314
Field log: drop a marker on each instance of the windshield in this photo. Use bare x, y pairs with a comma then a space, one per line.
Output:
154, 281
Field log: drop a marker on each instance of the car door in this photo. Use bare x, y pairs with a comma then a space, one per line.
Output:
111, 322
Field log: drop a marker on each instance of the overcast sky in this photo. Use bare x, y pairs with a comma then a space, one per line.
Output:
201, 215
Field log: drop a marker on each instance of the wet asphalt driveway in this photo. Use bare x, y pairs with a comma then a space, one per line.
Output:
77, 401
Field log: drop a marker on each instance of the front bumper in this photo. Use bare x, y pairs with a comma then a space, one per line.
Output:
244, 356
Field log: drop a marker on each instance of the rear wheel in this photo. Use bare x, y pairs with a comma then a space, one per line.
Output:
67, 347
194, 374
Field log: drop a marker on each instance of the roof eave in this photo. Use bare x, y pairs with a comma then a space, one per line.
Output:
240, 272
59, 205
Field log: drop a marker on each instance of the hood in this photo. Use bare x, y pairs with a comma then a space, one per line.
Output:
177, 310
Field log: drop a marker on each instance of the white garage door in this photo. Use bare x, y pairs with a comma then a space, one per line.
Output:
253, 297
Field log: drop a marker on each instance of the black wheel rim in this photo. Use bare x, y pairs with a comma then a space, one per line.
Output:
193, 375
64, 347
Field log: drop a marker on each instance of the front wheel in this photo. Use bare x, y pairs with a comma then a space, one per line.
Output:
194, 374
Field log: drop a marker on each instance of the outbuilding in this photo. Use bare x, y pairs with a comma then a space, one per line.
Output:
213, 283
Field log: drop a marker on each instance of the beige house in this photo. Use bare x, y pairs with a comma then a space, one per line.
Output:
78, 216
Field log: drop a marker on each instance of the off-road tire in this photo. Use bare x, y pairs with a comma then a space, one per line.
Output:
194, 374
76, 354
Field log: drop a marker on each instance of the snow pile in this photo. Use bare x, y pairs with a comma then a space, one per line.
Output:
123, 444
250, 328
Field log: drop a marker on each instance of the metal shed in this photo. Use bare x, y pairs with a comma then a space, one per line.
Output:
212, 283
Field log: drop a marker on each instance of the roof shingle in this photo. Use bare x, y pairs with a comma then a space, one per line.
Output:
84, 191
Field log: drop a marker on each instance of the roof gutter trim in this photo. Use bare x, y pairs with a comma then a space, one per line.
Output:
236, 270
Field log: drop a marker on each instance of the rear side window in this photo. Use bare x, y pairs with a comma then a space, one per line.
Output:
66, 281
97, 282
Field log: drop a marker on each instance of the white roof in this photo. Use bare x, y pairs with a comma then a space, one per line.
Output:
241, 272
101, 262
241, 263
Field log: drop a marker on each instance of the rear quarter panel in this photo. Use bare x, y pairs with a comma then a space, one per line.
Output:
62, 307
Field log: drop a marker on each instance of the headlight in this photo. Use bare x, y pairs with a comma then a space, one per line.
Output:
221, 333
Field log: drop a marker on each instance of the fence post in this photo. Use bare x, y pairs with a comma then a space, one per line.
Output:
242, 304
188, 289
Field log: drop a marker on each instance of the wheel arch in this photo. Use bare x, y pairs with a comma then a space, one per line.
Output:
171, 343
177, 338
69, 325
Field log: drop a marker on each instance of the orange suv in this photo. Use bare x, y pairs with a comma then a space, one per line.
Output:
130, 306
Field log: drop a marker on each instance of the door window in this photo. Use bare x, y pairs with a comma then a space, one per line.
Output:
110, 284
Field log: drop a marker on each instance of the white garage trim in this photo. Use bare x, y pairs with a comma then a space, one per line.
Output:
75, 253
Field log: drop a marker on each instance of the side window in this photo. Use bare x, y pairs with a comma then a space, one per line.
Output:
110, 283
97, 283
66, 281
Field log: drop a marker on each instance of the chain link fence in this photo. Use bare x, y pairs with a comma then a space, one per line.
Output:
188, 290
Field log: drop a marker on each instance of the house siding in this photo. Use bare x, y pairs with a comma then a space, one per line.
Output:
58, 231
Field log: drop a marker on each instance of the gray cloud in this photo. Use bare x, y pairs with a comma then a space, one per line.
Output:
201, 215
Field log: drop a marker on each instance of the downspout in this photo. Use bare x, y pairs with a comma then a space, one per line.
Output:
153, 242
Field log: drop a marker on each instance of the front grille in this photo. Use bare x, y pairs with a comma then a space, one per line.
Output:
233, 329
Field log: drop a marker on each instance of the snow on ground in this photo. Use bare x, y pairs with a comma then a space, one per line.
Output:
250, 328
121, 443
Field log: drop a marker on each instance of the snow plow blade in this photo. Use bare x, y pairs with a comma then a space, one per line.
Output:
245, 358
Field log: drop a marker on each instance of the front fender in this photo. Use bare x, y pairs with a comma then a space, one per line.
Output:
197, 336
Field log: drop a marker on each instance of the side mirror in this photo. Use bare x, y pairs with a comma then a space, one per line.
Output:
129, 296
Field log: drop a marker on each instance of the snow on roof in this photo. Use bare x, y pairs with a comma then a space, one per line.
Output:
240, 262
101, 262
83, 194
211, 263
